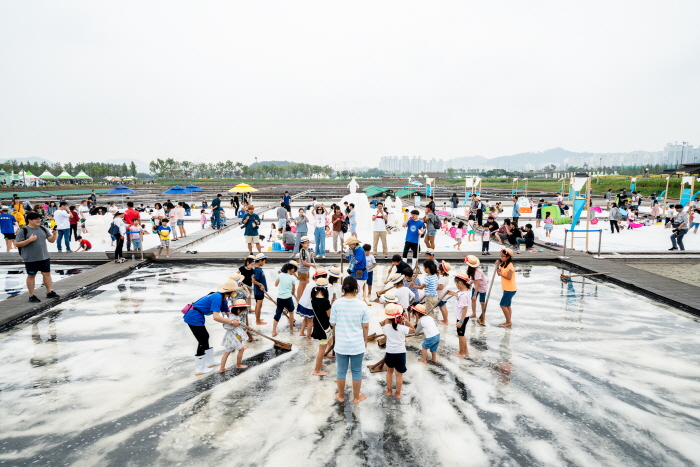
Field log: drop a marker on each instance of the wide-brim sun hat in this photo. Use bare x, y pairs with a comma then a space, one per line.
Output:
396, 278
236, 277
393, 310
239, 303
389, 297
464, 277
334, 271
229, 286
293, 263
260, 256
304, 239
351, 241
322, 282
472, 261
507, 251
419, 308
320, 272
430, 251
445, 266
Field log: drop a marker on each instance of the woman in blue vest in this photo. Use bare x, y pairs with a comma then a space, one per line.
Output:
214, 303
358, 261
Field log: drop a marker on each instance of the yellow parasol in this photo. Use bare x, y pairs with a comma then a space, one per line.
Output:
242, 188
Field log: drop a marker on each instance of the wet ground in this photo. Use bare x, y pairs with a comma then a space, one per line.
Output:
590, 374
684, 272
13, 277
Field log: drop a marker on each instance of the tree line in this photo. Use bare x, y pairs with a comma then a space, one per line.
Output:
93, 169
171, 168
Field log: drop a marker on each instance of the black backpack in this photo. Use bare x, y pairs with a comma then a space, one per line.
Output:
25, 232
436, 223
344, 226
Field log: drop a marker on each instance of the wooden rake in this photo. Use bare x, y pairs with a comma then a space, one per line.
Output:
279, 344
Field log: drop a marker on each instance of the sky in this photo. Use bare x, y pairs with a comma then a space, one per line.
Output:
344, 82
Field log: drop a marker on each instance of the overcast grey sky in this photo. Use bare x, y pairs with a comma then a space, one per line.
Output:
331, 81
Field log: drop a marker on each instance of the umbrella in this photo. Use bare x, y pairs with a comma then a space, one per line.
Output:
242, 188
176, 190
192, 188
120, 190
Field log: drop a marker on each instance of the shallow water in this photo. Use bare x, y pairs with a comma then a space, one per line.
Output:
589, 375
13, 278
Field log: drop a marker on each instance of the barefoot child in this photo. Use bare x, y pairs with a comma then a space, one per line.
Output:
548, 227
322, 330
235, 334
135, 230
371, 264
479, 288
428, 326
471, 228
305, 307
164, 234
461, 309
259, 286
395, 328
507, 272
285, 283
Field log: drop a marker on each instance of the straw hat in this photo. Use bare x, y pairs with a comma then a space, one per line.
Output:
472, 261
464, 277
239, 303
396, 278
389, 297
507, 251
393, 310
322, 282
419, 308
320, 272
430, 251
304, 239
351, 241
293, 263
334, 271
229, 286
446, 266
236, 277
260, 256
250, 256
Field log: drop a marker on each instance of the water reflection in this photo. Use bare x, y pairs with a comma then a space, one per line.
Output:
45, 371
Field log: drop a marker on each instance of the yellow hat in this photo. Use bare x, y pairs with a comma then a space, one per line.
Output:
320, 272
239, 303
419, 308
334, 271
446, 266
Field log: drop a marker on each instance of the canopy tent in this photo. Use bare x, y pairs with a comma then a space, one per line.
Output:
65, 176
374, 190
83, 176
27, 174
404, 192
47, 175
120, 190
242, 188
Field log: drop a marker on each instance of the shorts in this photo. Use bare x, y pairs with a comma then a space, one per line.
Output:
11, 236
180, 222
164, 243
259, 297
431, 233
396, 361
360, 284
252, 239
353, 228
370, 275
461, 330
538, 215
481, 295
431, 343
548, 227
303, 276
136, 243
694, 225
88, 248
283, 304
441, 303
470, 232
305, 312
33, 267
458, 239
507, 297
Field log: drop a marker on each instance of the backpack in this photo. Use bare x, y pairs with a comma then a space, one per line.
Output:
437, 225
344, 226
25, 232
113, 230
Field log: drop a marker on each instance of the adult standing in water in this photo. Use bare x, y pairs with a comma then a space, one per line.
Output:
350, 320
214, 303
506, 271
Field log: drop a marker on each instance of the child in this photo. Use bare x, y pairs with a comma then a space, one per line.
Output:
273, 230
461, 309
203, 218
414, 228
321, 306
459, 233
548, 226
259, 286
485, 239
164, 234
334, 290
285, 283
453, 230
443, 279
135, 230
84, 244
471, 228
411, 281
235, 335
695, 222
428, 326
445, 226
430, 285
305, 255
395, 328
83, 230
507, 272
371, 264
538, 215
403, 294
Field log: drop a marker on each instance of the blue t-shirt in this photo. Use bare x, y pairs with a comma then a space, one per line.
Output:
431, 284
259, 276
516, 210
251, 231
358, 262
412, 231
287, 200
205, 306
7, 223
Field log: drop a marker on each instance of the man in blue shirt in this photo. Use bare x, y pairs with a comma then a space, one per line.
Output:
414, 228
7, 227
259, 286
287, 200
251, 221
216, 211
358, 261
516, 208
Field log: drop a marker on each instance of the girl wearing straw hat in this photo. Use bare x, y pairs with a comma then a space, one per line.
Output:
461, 309
395, 328
306, 253
427, 325
480, 282
305, 306
507, 272
235, 334
215, 303
322, 330
443, 279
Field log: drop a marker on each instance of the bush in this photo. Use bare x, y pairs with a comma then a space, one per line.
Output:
562, 220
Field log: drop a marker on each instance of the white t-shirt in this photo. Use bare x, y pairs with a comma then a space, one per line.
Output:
429, 327
112, 209
62, 219
443, 280
404, 296
335, 289
380, 222
395, 340
462, 301
158, 213
320, 220
83, 211
305, 299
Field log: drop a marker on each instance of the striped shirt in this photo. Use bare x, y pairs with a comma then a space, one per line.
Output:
431, 283
348, 315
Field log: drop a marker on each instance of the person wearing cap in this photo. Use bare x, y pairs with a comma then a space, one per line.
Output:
430, 256
479, 286
427, 325
8, 224
395, 327
305, 307
357, 260
235, 334
414, 229
322, 331
461, 310
302, 224
259, 286
214, 303
306, 254
251, 221
506, 271
62, 219
285, 283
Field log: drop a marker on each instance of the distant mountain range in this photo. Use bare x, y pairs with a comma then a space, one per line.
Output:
550, 156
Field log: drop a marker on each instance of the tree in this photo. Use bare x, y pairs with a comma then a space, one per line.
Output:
132, 169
